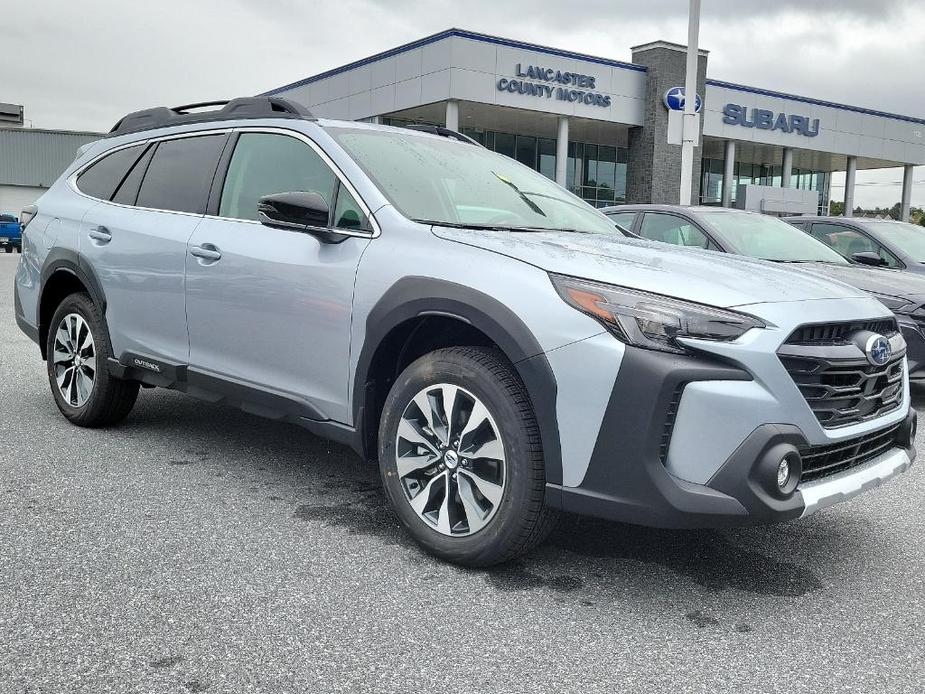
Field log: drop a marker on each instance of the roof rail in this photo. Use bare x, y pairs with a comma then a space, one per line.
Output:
442, 132
240, 108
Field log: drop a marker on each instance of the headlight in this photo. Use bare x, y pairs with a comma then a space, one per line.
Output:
895, 303
650, 320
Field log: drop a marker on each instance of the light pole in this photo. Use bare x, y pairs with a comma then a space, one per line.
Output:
691, 123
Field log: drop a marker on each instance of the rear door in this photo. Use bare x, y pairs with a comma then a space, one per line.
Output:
136, 240
270, 308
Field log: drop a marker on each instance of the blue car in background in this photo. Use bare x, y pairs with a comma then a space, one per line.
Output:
10, 233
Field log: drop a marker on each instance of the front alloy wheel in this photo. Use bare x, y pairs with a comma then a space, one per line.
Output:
74, 359
461, 457
450, 460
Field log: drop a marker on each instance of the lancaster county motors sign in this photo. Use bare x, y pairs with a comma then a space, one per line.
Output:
544, 82
762, 119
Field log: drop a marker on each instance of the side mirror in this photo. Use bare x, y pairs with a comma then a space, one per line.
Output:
296, 210
868, 258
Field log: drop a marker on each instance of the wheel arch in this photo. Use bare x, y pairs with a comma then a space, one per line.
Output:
63, 274
419, 314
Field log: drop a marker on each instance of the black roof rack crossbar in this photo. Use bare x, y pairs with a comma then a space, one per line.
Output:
443, 132
235, 109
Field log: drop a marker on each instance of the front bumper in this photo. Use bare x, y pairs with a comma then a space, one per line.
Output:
628, 478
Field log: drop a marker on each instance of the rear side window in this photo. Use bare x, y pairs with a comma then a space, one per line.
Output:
180, 174
102, 179
670, 229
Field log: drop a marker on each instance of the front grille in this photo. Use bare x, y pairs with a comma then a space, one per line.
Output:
843, 392
830, 459
670, 416
839, 333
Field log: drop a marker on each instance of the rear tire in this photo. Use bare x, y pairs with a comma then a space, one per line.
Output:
8, 249
471, 485
78, 352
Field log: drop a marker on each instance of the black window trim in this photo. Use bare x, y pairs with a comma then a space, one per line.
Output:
339, 177
716, 246
72, 179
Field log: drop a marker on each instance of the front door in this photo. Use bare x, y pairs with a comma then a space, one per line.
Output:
270, 308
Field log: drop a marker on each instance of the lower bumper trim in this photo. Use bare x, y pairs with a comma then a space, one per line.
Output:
837, 488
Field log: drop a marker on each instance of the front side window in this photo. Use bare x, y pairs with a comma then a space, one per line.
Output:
103, 177
180, 174
264, 164
849, 241
436, 180
671, 229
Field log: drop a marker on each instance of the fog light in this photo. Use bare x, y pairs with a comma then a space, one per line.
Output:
783, 473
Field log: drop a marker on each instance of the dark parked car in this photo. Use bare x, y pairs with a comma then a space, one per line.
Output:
769, 238
10, 233
879, 242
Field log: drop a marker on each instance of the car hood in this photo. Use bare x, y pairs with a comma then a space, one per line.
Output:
902, 285
705, 277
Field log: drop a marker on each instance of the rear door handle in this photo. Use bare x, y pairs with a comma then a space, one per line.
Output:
207, 252
100, 234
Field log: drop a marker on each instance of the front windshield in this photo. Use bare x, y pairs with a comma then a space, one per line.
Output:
441, 181
909, 238
769, 238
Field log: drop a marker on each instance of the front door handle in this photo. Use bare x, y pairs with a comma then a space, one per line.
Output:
100, 235
207, 252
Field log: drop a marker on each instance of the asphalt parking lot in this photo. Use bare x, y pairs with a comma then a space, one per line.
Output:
197, 548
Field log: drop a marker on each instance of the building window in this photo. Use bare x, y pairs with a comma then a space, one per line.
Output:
711, 180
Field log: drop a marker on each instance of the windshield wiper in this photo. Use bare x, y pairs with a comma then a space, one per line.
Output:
523, 196
462, 225
495, 227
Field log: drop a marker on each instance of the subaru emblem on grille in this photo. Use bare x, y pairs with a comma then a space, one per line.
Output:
878, 350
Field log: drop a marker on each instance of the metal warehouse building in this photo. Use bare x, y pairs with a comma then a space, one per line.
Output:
31, 160
600, 126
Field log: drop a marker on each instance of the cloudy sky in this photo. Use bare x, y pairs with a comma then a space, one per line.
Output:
82, 65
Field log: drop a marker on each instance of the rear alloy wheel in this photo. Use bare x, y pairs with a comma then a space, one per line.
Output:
461, 457
74, 359
78, 350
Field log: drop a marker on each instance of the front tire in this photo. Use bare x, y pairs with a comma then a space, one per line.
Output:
78, 351
461, 457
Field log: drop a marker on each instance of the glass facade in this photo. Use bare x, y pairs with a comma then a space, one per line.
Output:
711, 181
596, 173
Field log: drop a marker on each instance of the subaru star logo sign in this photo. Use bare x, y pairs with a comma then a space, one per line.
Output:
674, 100
878, 350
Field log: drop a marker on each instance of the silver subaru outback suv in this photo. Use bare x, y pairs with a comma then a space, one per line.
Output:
459, 318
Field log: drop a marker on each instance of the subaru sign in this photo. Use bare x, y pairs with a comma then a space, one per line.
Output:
674, 100
762, 119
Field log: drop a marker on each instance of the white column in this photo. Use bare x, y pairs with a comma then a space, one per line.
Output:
690, 119
786, 169
908, 170
729, 170
850, 175
562, 151
452, 115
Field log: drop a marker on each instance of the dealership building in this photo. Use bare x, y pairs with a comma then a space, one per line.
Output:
601, 127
